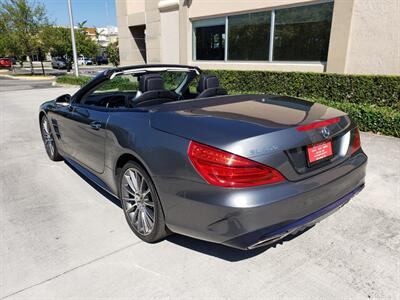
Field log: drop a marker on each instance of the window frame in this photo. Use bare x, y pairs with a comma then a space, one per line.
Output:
270, 59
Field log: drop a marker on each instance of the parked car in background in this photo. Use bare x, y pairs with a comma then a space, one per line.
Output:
60, 63
241, 170
6, 62
84, 61
13, 59
101, 60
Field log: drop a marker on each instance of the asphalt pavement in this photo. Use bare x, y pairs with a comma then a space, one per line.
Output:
17, 84
61, 238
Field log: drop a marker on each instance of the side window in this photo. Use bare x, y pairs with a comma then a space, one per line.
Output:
113, 93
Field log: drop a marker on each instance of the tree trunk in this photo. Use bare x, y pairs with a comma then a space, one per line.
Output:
41, 62
31, 63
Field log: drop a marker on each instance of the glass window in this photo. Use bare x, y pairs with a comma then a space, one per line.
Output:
248, 37
172, 80
302, 33
209, 39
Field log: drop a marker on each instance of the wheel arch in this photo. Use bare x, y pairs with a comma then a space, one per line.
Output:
41, 114
125, 158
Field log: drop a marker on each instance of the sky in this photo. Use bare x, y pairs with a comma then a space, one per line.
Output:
98, 13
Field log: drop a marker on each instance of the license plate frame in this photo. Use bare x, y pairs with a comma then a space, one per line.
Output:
327, 154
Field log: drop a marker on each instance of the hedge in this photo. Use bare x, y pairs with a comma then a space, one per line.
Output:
384, 120
371, 101
382, 91
68, 79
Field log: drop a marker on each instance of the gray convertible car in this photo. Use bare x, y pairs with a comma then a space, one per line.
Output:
183, 156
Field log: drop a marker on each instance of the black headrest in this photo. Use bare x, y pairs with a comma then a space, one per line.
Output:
207, 82
151, 82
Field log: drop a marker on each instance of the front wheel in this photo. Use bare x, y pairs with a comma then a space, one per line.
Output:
48, 140
140, 203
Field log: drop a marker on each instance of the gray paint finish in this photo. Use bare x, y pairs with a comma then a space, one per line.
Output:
259, 127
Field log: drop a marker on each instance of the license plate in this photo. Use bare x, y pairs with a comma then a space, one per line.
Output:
319, 152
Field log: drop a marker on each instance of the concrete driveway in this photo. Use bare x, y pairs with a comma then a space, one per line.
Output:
61, 238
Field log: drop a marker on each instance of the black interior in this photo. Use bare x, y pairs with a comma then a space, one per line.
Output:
208, 86
152, 91
110, 99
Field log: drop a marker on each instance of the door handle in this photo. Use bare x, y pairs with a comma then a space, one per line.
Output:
96, 125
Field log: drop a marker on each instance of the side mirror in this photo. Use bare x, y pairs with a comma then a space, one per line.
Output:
63, 99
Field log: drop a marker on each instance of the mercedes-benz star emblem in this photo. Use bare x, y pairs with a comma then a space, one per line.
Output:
325, 132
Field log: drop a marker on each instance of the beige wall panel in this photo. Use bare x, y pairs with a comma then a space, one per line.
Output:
153, 29
170, 37
153, 56
136, 19
152, 43
129, 53
132, 6
375, 38
124, 32
205, 8
128, 50
152, 16
184, 27
340, 36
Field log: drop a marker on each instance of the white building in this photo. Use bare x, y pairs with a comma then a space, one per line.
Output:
107, 35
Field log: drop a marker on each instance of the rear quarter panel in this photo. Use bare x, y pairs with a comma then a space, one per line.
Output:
163, 155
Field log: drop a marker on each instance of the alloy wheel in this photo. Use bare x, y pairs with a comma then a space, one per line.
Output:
47, 137
137, 201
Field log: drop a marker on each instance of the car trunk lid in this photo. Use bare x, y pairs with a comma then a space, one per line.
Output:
267, 129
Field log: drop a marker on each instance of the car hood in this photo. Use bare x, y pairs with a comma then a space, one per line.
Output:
226, 120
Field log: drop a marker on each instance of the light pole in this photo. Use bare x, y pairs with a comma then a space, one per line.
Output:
71, 24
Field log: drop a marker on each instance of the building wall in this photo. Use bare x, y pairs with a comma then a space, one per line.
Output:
128, 49
364, 34
200, 9
205, 8
170, 37
374, 44
153, 31
340, 36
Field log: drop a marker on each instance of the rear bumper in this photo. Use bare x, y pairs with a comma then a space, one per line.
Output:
247, 218
267, 237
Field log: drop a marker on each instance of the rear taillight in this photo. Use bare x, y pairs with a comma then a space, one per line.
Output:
356, 141
225, 169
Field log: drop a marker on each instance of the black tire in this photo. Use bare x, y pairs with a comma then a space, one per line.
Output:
143, 208
48, 140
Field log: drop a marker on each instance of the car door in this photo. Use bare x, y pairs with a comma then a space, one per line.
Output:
83, 133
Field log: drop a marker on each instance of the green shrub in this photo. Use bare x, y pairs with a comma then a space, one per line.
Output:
371, 101
382, 91
118, 83
369, 117
69, 79
384, 120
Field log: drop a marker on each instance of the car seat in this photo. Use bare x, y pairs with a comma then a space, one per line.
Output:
208, 86
152, 91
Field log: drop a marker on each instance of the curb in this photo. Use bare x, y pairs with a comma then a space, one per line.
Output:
66, 85
28, 77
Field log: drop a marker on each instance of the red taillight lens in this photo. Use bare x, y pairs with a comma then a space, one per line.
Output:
225, 169
318, 124
356, 141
